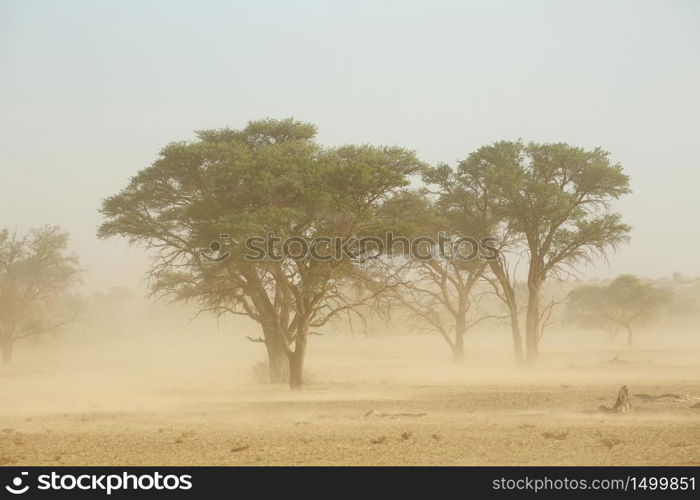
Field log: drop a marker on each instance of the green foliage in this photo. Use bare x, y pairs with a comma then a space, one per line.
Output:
550, 202
557, 196
270, 177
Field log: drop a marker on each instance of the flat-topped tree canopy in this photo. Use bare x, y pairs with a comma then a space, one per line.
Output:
270, 177
558, 199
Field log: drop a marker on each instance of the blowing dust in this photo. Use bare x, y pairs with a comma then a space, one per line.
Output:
143, 383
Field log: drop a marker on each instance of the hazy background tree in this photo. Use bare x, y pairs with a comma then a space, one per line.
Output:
36, 277
440, 279
468, 197
625, 303
269, 178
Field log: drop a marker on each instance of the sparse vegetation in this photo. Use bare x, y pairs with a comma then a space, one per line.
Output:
36, 278
559, 436
623, 304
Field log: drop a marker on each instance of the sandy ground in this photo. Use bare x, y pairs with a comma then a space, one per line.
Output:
381, 409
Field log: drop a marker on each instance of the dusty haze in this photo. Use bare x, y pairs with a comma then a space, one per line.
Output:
144, 385
90, 92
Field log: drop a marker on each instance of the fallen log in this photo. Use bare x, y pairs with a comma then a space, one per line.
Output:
677, 398
651, 397
373, 413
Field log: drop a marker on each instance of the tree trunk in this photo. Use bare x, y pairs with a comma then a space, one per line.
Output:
277, 362
517, 338
458, 350
532, 323
296, 363
512, 304
458, 345
612, 334
629, 335
6, 348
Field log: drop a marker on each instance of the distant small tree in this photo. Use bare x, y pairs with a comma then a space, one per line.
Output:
36, 275
625, 303
584, 309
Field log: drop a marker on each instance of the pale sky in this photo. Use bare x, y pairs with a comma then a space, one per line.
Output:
90, 91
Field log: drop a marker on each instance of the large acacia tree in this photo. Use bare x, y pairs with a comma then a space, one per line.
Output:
36, 277
270, 178
557, 198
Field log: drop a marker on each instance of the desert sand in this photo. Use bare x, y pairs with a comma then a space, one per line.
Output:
193, 399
